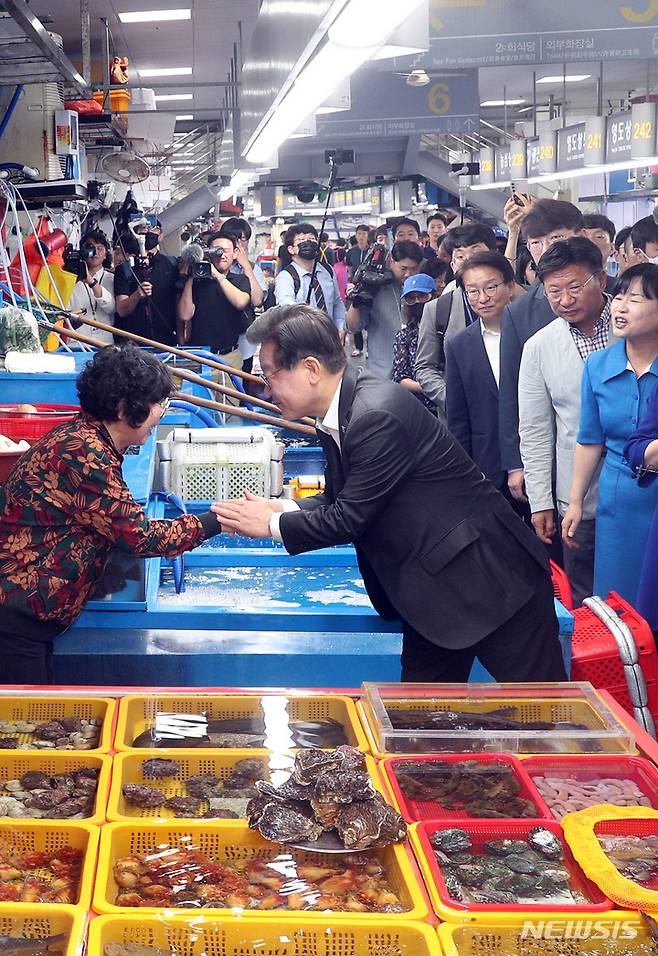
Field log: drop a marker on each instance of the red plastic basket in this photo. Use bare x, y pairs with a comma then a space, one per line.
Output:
585, 768
480, 833
33, 425
8, 460
414, 811
595, 656
561, 586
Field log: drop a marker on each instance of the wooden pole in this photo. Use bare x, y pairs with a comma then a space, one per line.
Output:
203, 402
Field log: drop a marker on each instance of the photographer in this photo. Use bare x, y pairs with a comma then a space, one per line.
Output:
292, 283
211, 307
145, 293
383, 318
94, 290
240, 230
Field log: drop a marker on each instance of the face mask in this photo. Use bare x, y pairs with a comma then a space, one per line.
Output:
415, 311
651, 259
308, 249
152, 240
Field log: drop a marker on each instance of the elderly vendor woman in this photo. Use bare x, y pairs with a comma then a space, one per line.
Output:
66, 506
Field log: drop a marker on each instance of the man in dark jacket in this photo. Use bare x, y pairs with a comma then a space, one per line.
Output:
438, 546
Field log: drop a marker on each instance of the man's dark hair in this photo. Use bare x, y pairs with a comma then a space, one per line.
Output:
127, 380
647, 272
233, 237
434, 267
595, 220
405, 221
296, 332
298, 229
406, 249
644, 231
362, 228
236, 227
523, 260
324, 237
381, 231
492, 259
575, 251
437, 215
547, 215
622, 236
469, 235
341, 242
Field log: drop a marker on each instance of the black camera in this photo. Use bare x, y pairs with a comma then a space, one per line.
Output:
370, 276
201, 270
75, 260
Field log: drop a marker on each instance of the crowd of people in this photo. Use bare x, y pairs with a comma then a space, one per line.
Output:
536, 347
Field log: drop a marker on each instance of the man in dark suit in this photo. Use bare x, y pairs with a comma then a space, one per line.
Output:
437, 546
548, 221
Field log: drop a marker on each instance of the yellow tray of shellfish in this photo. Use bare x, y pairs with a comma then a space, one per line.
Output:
614, 933
273, 712
16, 763
20, 718
133, 856
129, 768
24, 922
198, 935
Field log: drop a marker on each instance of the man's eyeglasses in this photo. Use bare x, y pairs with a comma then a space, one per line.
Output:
268, 378
545, 242
489, 291
573, 290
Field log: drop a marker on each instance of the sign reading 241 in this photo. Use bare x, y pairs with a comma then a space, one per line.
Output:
640, 16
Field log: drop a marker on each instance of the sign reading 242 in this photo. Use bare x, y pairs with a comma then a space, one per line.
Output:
640, 16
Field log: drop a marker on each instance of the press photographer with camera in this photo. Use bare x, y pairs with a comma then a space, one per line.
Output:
94, 290
292, 282
145, 289
211, 306
376, 300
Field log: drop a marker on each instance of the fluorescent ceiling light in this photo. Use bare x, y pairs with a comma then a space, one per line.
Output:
516, 102
499, 185
167, 71
343, 52
240, 180
174, 96
185, 116
574, 78
149, 16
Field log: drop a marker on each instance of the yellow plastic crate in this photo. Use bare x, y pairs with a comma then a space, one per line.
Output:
42, 709
615, 933
127, 768
14, 763
137, 714
47, 836
235, 842
254, 936
23, 919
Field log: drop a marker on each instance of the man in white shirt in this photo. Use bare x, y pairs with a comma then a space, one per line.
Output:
292, 282
549, 394
94, 292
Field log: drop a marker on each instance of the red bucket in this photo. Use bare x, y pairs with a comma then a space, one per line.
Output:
33, 425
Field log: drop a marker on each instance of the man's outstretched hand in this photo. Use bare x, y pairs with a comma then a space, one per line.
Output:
249, 516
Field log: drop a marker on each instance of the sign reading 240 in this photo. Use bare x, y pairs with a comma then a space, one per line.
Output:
640, 16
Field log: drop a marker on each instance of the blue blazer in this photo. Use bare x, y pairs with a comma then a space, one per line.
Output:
472, 401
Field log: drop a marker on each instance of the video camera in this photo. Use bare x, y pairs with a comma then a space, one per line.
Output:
370, 276
203, 269
75, 260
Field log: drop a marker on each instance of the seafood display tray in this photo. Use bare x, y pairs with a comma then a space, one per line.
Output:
138, 712
616, 933
128, 768
45, 836
290, 936
597, 729
481, 832
42, 709
14, 763
23, 920
236, 843
588, 768
416, 810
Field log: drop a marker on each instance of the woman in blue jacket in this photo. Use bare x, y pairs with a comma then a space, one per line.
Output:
642, 454
616, 387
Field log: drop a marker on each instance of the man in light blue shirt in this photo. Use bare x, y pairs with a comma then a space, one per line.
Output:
292, 283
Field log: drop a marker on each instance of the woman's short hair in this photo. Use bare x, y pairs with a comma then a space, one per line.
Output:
99, 237
127, 380
646, 272
298, 331
490, 259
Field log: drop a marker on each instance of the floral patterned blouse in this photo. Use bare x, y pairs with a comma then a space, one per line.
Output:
405, 345
62, 510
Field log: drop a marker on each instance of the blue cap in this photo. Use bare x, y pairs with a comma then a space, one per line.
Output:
499, 233
418, 283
